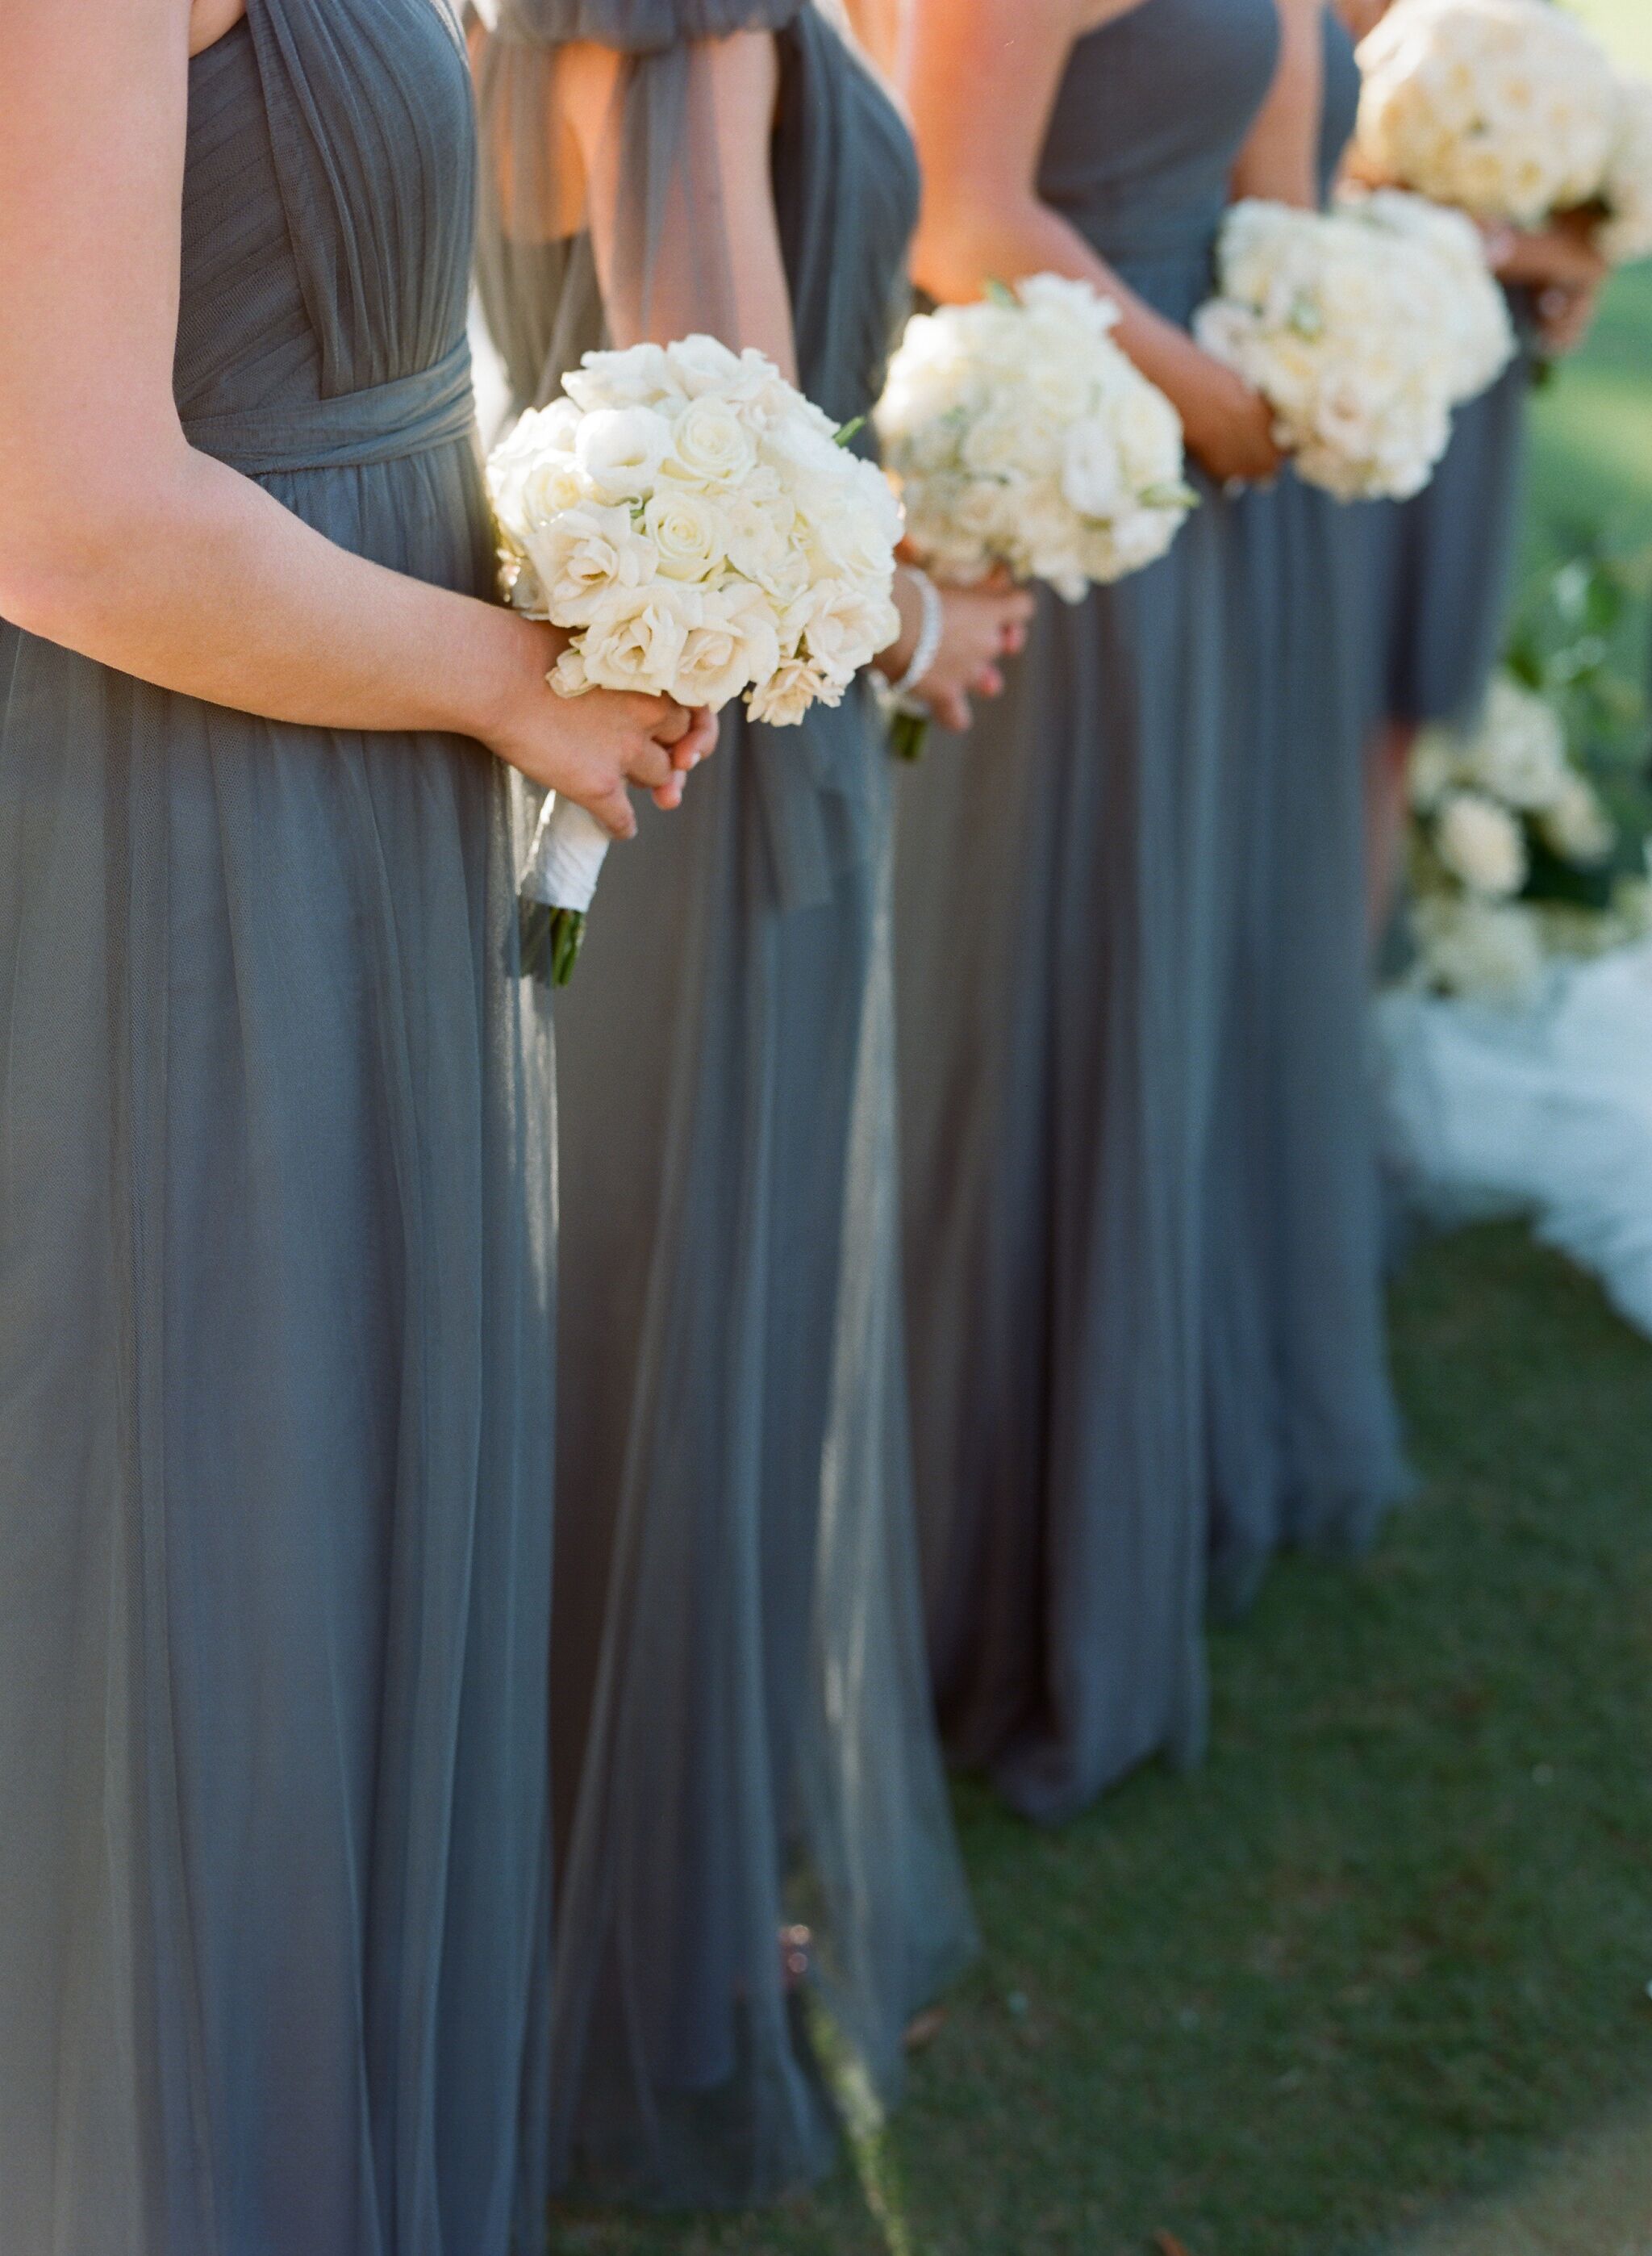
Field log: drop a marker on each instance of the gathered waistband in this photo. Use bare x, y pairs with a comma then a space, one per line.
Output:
385, 423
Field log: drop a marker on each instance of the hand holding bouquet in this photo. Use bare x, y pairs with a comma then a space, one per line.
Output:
1020, 436
698, 528
1345, 322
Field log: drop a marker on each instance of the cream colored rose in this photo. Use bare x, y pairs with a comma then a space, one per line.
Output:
735, 643
1486, 951
781, 700
620, 450
1575, 825
1092, 471
1480, 842
635, 637
702, 365
710, 444
582, 553
844, 628
641, 376
690, 532
1517, 753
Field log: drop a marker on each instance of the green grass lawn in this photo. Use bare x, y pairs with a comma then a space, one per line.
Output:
1393, 1943
1395, 1938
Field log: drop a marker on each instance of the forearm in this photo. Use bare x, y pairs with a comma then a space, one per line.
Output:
961, 249
236, 601
1280, 161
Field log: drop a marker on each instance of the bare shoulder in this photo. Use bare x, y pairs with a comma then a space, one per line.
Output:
210, 19
1090, 15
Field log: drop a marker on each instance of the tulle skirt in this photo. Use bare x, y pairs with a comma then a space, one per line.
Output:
742, 1735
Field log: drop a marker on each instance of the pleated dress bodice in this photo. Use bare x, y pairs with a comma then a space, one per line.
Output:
327, 218
1152, 113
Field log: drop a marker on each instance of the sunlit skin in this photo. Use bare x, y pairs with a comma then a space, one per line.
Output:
980, 626
981, 80
238, 601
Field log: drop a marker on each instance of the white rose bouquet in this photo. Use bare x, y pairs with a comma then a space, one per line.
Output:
1508, 108
1020, 435
1625, 233
703, 533
1511, 850
1468, 310
1336, 318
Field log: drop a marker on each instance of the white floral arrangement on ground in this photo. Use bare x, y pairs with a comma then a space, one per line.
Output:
702, 531
1512, 109
1020, 436
1339, 321
1487, 805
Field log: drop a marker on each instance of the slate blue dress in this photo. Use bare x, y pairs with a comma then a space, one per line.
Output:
1064, 892
276, 1356
1305, 1439
742, 1734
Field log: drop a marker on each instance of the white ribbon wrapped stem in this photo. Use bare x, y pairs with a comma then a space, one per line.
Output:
569, 847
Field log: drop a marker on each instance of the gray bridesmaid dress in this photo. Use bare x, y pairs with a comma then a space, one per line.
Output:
742, 1734
1063, 900
275, 1395
1304, 1444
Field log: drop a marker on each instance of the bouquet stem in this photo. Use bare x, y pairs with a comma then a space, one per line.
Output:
909, 733
552, 940
564, 864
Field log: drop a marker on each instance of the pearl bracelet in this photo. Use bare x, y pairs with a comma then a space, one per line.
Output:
930, 628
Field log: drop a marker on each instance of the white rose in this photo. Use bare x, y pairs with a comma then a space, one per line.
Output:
1435, 767
568, 677
690, 532
1490, 951
701, 365
1001, 442
783, 699
844, 628
635, 637
582, 553
736, 642
638, 376
1480, 842
533, 473
620, 450
1518, 751
1576, 826
1092, 474
762, 543
710, 444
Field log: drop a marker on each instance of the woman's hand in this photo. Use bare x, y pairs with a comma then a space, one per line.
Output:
1229, 427
1562, 255
589, 748
980, 627
1562, 266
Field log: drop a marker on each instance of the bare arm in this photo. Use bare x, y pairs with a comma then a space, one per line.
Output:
1279, 159
983, 82
119, 540
717, 265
